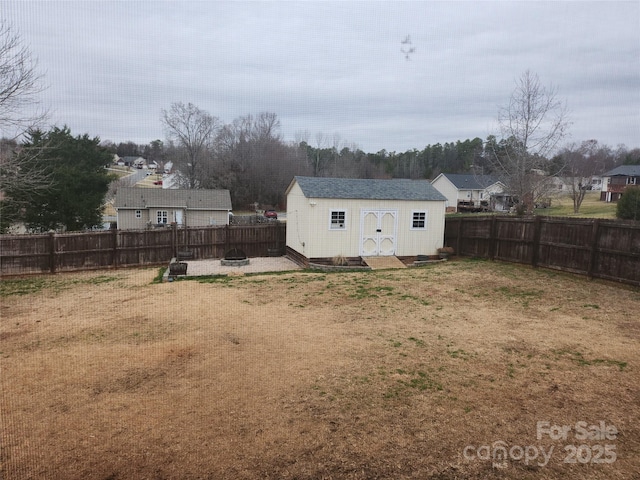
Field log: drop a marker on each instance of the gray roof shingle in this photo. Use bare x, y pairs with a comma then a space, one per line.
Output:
369, 189
470, 181
624, 170
136, 197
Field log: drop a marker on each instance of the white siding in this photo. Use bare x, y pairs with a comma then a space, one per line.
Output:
453, 194
448, 189
308, 229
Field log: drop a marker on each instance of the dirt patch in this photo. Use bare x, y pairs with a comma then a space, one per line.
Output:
388, 374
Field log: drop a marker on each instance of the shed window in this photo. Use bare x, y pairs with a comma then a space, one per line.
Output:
138, 213
163, 216
338, 219
419, 220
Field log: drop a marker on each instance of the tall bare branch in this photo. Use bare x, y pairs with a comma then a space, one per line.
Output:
531, 125
20, 85
193, 130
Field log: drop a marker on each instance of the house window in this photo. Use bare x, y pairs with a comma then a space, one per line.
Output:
631, 180
338, 219
163, 216
419, 221
138, 213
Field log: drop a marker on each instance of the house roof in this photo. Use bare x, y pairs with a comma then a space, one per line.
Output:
469, 181
624, 170
136, 197
368, 189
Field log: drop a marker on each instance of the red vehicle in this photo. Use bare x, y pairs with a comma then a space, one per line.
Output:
158, 182
271, 214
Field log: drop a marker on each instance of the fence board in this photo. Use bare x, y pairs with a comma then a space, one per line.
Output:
514, 240
23, 254
606, 249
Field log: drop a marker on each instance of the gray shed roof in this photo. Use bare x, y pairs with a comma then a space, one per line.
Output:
136, 197
470, 181
368, 189
624, 170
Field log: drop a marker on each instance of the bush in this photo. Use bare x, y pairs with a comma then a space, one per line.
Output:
629, 204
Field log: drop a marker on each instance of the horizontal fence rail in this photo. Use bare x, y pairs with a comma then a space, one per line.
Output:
25, 254
598, 248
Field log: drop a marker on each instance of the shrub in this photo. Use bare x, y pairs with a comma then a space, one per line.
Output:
629, 204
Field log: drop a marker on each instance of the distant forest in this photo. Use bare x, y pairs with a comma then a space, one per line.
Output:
258, 168
250, 159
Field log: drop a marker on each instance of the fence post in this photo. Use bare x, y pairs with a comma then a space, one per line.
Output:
535, 245
492, 237
459, 237
174, 239
594, 247
52, 251
115, 248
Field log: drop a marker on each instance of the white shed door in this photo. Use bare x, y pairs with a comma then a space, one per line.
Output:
378, 232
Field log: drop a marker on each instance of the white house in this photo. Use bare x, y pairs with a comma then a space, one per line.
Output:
468, 192
327, 217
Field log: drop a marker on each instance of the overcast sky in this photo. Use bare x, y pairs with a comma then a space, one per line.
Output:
334, 67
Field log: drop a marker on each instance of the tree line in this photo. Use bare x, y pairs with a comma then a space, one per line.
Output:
250, 158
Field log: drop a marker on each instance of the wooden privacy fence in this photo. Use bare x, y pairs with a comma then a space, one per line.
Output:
606, 249
23, 254
598, 248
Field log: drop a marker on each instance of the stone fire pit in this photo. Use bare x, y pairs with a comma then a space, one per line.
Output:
234, 258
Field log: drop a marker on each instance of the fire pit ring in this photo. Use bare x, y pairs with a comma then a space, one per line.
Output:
234, 258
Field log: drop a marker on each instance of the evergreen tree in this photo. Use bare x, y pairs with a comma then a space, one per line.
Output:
78, 181
629, 204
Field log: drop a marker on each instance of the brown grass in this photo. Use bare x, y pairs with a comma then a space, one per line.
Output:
386, 374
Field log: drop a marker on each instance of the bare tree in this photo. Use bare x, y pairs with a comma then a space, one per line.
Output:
579, 164
577, 170
193, 130
254, 163
20, 85
532, 125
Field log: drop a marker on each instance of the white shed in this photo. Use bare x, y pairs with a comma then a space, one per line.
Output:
327, 217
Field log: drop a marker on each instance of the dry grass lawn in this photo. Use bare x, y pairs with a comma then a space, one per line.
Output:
388, 374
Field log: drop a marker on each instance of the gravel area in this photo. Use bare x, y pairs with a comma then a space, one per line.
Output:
256, 265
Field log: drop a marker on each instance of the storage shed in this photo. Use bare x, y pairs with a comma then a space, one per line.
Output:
328, 217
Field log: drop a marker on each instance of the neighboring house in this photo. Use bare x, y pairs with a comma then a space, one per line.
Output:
144, 207
469, 192
136, 162
596, 182
615, 181
563, 184
327, 217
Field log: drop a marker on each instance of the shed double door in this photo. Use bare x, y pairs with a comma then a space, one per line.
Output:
378, 232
